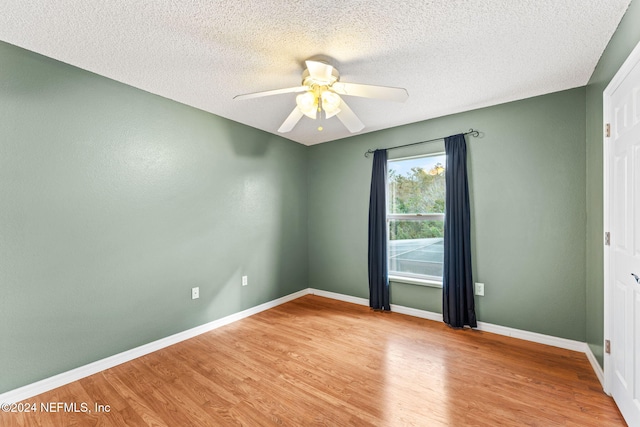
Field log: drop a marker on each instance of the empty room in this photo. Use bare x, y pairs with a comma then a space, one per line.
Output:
297, 213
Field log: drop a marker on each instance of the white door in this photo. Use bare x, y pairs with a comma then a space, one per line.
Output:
622, 213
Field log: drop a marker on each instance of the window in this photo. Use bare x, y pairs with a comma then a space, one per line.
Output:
415, 216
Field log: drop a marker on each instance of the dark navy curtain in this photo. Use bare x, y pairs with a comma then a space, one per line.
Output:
378, 274
458, 308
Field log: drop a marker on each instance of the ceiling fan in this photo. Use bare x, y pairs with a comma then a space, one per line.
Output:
322, 89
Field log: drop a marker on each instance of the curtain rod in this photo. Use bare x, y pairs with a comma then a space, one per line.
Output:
471, 132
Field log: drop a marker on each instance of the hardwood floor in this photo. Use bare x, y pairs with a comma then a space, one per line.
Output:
315, 361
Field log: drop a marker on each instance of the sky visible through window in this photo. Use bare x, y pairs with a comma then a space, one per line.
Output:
404, 166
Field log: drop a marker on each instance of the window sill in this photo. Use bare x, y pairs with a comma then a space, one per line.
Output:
414, 281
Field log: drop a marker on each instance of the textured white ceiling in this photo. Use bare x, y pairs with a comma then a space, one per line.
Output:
451, 55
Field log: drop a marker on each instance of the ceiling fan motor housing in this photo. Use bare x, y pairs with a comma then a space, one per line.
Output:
307, 80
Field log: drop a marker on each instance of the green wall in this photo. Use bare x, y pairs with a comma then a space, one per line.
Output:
527, 174
115, 202
622, 43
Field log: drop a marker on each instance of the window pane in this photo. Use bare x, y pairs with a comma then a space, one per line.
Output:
416, 248
417, 185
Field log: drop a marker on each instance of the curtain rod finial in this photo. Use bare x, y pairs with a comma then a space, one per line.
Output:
369, 151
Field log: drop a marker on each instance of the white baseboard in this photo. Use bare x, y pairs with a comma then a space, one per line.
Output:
564, 343
595, 365
363, 301
416, 312
59, 380
482, 326
339, 297
533, 337
39, 387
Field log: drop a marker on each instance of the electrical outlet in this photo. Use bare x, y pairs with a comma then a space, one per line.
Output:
195, 293
480, 289
245, 281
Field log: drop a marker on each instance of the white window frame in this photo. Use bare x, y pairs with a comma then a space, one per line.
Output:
413, 279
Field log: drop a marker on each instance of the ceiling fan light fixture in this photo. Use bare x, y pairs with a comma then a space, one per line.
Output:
307, 103
321, 89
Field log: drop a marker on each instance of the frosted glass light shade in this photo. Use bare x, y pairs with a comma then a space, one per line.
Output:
330, 103
307, 104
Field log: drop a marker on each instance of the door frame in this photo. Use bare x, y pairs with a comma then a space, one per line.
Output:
621, 74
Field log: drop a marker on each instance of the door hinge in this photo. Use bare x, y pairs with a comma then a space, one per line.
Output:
607, 130
607, 238
607, 346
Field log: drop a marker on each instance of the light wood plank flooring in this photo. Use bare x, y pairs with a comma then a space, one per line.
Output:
315, 361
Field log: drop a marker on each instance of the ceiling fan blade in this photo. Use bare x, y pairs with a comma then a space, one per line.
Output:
397, 94
319, 70
349, 118
271, 92
291, 121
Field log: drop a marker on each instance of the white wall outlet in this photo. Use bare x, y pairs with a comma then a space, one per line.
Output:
245, 281
195, 293
480, 289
